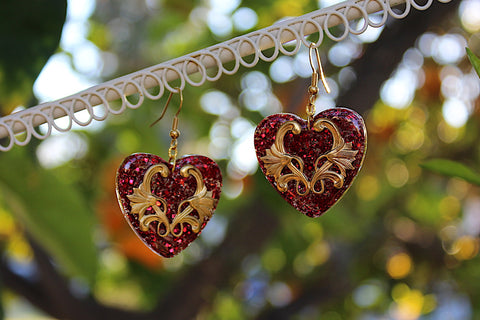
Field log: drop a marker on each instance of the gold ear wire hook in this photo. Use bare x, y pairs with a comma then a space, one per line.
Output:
175, 119
320, 68
313, 88
174, 133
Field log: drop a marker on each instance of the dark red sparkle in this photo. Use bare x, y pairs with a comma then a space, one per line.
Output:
173, 189
309, 145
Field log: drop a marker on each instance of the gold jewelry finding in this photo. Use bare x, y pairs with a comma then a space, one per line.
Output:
174, 133
313, 88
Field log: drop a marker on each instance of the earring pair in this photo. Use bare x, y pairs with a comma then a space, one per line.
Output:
311, 163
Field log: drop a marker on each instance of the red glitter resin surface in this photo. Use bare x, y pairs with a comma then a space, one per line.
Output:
309, 145
173, 189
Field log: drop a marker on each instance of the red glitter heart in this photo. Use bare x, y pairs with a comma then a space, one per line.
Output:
311, 168
168, 207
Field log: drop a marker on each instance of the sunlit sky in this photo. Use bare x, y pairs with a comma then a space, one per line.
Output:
58, 79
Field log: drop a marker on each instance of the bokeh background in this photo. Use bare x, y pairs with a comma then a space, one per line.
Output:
402, 244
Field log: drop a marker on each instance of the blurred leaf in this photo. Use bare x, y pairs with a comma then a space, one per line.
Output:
474, 60
2, 309
452, 169
29, 32
52, 210
423, 205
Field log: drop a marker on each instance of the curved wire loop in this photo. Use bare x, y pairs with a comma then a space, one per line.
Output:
313, 88
175, 118
174, 133
315, 74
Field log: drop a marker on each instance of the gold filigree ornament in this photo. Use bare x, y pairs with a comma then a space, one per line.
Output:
340, 155
143, 199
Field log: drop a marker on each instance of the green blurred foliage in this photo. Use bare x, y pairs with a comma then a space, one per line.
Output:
452, 169
29, 37
53, 210
474, 60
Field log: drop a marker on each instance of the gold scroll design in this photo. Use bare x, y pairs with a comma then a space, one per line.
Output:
340, 156
143, 199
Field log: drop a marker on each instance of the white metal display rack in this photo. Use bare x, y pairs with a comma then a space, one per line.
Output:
293, 30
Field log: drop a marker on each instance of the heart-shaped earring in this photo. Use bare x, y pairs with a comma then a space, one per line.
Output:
312, 162
168, 203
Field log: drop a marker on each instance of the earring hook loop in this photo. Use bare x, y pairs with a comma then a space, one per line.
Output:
175, 118
312, 49
174, 133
